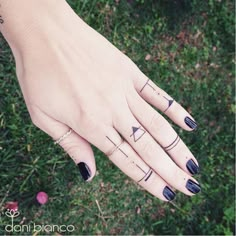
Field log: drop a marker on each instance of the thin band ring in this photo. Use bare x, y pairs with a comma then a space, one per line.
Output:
63, 137
115, 148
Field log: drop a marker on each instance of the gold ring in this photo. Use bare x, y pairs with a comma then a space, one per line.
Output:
63, 137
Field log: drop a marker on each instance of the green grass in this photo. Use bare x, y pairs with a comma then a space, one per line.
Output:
191, 44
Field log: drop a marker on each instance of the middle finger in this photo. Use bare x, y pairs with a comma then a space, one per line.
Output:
152, 153
164, 134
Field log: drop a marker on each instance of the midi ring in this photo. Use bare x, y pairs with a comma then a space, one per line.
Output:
63, 137
115, 148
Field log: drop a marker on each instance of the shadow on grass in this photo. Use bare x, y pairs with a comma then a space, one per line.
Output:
175, 12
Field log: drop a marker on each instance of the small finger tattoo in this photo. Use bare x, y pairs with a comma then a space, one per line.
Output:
150, 84
173, 144
147, 175
139, 167
147, 84
170, 102
1, 20
138, 132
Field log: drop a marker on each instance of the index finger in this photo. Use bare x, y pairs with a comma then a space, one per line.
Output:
157, 97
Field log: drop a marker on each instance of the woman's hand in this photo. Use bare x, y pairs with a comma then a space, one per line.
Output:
73, 78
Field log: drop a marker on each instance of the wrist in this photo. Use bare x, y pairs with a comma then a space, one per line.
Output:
20, 19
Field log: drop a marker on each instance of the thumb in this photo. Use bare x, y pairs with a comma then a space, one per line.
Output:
77, 147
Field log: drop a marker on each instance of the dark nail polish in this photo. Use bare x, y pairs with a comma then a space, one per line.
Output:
84, 171
193, 187
190, 123
168, 193
192, 167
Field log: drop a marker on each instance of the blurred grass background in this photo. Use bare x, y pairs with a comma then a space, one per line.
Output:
187, 47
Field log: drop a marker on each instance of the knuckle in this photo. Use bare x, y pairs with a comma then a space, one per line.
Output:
89, 126
88, 123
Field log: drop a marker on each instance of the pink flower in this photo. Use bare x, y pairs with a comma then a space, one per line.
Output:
42, 198
12, 206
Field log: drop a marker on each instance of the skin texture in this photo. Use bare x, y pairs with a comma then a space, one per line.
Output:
72, 77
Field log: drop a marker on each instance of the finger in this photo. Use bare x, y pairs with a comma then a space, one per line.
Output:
124, 157
152, 153
78, 148
164, 134
164, 102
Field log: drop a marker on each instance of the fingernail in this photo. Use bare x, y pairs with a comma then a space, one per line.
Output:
84, 171
193, 187
190, 123
192, 167
168, 193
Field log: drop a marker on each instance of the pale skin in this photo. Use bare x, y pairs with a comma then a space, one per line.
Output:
73, 78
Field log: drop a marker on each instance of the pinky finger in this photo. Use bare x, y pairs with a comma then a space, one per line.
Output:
77, 148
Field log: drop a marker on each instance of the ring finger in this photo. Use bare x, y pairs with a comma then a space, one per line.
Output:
124, 157
153, 155
164, 134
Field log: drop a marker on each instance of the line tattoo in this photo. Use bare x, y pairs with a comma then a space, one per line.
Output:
147, 84
138, 132
139, 167
173, 144
170, 101
117, 147
146, 176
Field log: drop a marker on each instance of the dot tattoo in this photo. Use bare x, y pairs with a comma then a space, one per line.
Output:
138, 132
1, 20
149, 84
147, 174
173, 144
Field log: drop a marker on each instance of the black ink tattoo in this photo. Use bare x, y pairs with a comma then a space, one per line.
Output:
170, 102
147, 175
147, 84
117, 147
173, 144
137, 133
139, 167
1, 20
